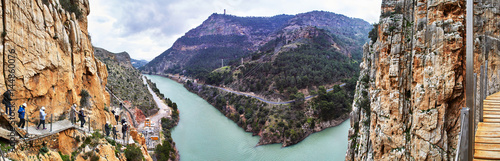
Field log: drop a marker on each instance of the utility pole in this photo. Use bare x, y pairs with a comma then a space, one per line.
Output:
469, 73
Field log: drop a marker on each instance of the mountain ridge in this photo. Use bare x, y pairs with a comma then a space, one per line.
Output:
231, 38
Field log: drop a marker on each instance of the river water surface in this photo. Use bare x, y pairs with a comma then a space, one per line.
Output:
203, 133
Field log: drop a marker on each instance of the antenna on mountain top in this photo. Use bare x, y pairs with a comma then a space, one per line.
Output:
224, 11
222, 63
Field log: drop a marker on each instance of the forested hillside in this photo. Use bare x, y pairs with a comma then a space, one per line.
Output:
125, 81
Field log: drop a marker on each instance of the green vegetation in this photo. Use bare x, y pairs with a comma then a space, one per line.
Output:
125, 81
373, 34
332, 104
43, 150
166, 149
307, 66
133, 153
72, 7
292, 121
312, 64
5, 146
64, 157
85, 100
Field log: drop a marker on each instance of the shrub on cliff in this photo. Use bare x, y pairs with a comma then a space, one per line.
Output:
72, 7
84, 101
373, 34
163, 151
133, 153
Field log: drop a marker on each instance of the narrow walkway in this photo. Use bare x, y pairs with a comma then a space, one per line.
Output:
487, 139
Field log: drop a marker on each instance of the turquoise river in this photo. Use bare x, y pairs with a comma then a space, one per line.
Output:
203, 133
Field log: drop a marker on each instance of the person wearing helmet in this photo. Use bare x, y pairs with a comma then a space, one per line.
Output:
42, 118
107, 128
21, 112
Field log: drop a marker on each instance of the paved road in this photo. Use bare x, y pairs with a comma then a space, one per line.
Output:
163, 112
266, 101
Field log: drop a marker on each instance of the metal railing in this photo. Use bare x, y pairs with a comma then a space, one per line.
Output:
467, 119
463, 142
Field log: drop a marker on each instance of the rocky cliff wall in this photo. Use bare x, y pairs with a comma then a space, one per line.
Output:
54, 59
412, 82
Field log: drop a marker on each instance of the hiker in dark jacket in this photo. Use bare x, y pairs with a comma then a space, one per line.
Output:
6, 101
124, 130
21, 112
114, 132
116, 116
81, 116
123, 121
107, 128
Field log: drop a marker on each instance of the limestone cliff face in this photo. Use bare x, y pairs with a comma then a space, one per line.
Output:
412, 82
54, 57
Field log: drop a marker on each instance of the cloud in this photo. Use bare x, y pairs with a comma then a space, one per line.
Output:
146, 28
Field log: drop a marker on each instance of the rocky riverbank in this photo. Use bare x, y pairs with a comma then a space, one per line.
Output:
284, 124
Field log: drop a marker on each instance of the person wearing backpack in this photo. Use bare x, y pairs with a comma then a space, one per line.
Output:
81, 116
21, 112
6, 101
124, 130
42, 118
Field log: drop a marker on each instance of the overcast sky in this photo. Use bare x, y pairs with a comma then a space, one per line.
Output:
146, 28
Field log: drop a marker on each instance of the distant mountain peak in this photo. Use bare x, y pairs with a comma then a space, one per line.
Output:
231, 38
122, 58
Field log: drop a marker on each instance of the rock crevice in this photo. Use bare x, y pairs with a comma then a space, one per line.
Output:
412, 81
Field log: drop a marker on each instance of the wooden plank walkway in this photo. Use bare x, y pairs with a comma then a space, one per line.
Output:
487, 139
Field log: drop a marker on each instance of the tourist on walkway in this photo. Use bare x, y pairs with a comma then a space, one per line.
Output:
21, 112
107, 128
42, 118
6, 101
117, 116
124, 121
81, 116
124, 130
114, 132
